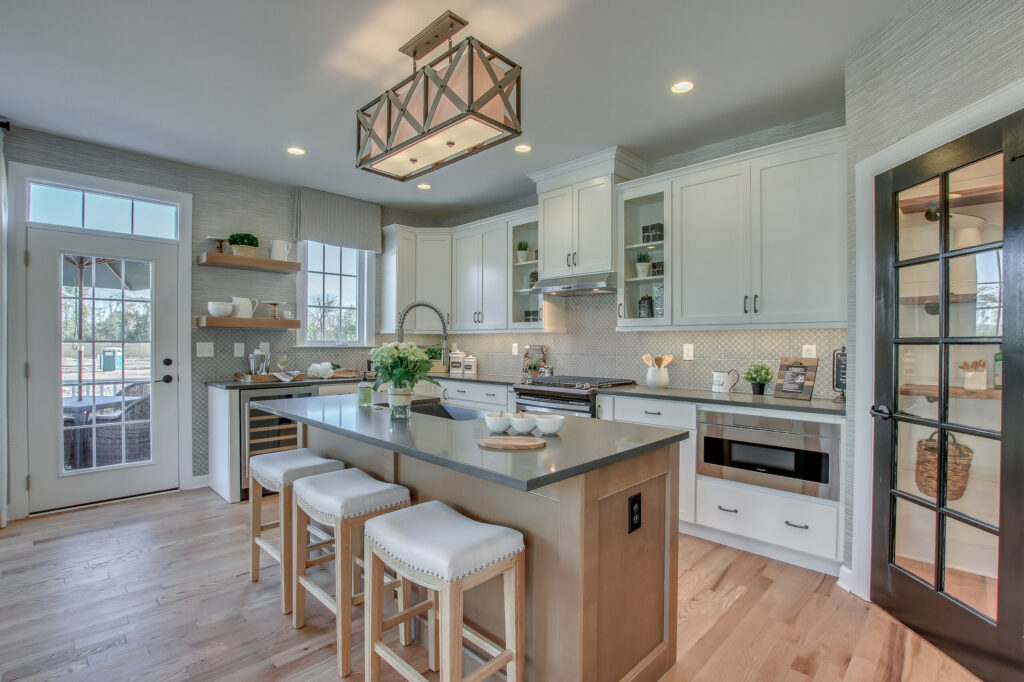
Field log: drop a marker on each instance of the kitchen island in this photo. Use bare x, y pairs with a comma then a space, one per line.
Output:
600, 599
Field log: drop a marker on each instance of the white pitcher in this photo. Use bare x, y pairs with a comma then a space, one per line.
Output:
720, 378
243, 307
279, 249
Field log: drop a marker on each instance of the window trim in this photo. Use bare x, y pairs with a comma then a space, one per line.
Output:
366, 322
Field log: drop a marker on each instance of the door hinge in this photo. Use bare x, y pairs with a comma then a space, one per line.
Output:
26, 370
26, 257
28, 482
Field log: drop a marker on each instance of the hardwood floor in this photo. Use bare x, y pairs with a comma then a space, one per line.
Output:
158, 588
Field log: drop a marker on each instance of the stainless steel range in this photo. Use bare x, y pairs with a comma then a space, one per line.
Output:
563, 394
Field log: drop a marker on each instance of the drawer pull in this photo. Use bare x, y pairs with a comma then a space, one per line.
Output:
796, 525
731, 511
460, 390
655, 414
491, 395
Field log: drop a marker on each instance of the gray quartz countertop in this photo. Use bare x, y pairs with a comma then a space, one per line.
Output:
482, 378
581, 446
698, 395
502, 379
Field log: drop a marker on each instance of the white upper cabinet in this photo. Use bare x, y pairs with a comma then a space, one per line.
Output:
799, 236
479, 264
433, 279
712, 218
398, 275
645, 256
593, 226
555, 233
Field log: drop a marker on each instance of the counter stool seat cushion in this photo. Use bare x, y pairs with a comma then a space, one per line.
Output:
348, 493
284, 467
434, 539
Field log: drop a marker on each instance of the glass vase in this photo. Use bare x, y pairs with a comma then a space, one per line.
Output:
399, 400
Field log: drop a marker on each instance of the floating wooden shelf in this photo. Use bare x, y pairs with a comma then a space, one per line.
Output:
931, 391
968, 197
924, 300
227, 260
247, 322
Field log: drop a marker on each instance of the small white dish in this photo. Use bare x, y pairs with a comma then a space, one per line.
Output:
523, 424
497, 423
219, 308
549, 424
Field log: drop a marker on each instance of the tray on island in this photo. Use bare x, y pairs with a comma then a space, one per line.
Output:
270, 378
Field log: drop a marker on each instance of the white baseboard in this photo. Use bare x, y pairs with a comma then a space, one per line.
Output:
196, 482
845, 579
790, 556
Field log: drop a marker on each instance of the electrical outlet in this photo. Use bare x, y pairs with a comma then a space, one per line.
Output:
687, 351
265, 346
204, 349
515, 349
239, 350
634, 513
810, 351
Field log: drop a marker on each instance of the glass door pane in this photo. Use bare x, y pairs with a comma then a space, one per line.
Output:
106, 361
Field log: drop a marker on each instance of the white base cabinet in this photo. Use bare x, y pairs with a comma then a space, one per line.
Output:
475, 395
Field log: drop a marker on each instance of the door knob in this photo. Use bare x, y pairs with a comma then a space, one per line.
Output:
882, 412
165, 379
168, 362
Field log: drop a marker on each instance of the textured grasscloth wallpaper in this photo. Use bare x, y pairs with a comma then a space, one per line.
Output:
933, 59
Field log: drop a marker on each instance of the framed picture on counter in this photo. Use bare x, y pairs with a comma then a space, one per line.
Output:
796, 378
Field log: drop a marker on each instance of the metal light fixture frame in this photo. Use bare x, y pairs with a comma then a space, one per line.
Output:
419, 106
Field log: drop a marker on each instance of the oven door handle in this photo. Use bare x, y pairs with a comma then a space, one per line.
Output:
569, 405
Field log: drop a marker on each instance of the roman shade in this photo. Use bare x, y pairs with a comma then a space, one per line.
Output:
337, 220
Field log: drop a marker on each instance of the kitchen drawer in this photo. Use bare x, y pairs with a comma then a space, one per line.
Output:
489, 394
337, 389
806, 526
669, 413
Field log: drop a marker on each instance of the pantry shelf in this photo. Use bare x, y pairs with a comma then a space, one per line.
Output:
932, 391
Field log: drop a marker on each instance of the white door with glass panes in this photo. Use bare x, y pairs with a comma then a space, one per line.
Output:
102, 349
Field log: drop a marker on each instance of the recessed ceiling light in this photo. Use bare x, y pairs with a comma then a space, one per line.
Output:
523, 148
423, 186
296, 151
681, 87
954, 195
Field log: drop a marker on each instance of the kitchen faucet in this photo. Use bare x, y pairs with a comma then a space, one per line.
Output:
444, 326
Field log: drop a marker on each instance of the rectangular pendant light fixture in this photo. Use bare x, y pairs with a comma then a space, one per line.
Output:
463, 101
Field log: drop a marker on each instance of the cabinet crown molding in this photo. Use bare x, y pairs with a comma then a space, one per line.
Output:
612, 161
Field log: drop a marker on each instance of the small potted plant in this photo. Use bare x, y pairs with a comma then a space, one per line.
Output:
522, 251
403, 365
758, 374
243, 244
643, 263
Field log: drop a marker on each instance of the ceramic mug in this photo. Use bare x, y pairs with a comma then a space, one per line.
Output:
243, 307
279, 249
720, 380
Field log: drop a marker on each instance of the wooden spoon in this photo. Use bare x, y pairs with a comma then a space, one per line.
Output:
646, 357
667, 360
657, 361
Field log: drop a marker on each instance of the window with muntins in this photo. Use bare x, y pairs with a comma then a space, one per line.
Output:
71, 207
334, 294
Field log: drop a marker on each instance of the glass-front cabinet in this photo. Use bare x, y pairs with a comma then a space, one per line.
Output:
525, 306
645, 273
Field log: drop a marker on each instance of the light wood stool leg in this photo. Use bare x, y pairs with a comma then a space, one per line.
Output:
432, 632
373, 612
287, 581
451, 632
300, 538
403, 595
514, 582
343, 594
255, 521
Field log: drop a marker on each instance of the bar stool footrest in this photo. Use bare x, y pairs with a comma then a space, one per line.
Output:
398, 663
268, 548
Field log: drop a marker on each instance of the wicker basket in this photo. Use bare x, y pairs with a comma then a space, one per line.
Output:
958, 469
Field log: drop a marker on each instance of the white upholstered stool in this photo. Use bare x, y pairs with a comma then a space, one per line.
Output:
345, 500
278, 471
441, 550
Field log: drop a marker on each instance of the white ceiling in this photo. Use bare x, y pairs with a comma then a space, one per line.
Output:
229, 84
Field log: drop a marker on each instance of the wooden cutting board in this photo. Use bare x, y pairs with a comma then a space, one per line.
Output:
511, 443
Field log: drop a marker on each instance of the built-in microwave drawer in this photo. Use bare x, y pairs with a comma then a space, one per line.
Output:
669, 413
470, 391
805, 526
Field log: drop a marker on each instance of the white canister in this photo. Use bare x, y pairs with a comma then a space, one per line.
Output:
657, 377
456, 359
469, 364
279, 249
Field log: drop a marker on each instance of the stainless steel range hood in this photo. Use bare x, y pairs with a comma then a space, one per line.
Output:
577, 285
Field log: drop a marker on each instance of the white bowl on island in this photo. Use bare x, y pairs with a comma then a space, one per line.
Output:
497, 422
549, 424
523, 423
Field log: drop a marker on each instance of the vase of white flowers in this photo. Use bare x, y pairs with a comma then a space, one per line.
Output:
403, 365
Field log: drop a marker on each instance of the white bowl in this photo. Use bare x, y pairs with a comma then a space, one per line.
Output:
219, 309
549, 424
496, 423
524, 424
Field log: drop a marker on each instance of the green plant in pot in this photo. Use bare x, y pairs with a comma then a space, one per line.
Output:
243, 243
403, 365
643, 263
522, 251
758, 374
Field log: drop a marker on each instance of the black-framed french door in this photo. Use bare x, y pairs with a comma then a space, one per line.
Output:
948, 526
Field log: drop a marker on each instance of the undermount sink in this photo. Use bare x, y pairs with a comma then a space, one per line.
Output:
459, 414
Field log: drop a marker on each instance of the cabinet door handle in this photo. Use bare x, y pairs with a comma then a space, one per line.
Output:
574, 257
656, 414
444, 394
480, 317
567, 257
620, 310
460, 390
491, 395
731, 511
797, 525
745, 299
755, 303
